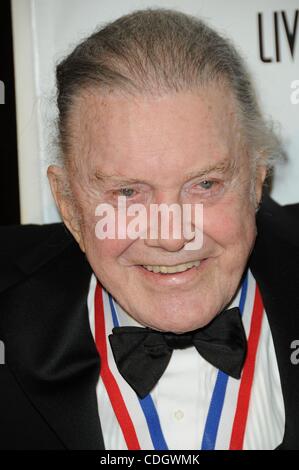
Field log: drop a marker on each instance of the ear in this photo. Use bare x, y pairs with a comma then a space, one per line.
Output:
259, 181
59, 184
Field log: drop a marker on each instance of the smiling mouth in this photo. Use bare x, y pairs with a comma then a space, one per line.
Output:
178, 268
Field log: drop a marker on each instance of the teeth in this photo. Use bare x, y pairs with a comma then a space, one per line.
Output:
178, 268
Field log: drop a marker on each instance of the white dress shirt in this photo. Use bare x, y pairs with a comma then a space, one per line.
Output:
183, 394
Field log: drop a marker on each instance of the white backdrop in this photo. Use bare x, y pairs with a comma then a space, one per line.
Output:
46, 30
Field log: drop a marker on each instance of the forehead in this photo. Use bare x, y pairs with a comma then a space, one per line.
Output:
141, 134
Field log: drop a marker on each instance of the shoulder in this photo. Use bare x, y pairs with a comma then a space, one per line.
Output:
293, 211
275, 256
25, 248
17, 239
278, 222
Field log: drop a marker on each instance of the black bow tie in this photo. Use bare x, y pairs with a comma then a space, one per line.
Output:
142, 354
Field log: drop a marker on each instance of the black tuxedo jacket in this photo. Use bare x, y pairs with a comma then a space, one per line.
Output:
48, 381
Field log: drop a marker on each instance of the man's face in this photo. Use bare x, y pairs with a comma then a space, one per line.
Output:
182, 148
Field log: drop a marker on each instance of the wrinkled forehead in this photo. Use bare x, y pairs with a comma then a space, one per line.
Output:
116, 130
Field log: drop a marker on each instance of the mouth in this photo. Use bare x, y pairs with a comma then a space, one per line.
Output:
172, 275
178, 268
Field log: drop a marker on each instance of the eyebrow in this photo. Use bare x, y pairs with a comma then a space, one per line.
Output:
223, 166
104, 177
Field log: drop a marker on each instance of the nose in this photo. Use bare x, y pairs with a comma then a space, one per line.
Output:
169, 244
165, 227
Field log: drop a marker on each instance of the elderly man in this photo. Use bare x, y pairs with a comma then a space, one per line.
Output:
150, 342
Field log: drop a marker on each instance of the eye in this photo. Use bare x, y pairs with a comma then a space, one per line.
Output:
206, 184
127, 192
207, 188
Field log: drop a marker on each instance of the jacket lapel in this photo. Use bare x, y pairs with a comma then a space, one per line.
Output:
50, 332
274, 264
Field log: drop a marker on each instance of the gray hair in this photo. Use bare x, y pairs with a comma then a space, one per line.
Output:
159, 51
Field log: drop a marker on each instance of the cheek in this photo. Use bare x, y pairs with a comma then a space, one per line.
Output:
230, 225
103, 255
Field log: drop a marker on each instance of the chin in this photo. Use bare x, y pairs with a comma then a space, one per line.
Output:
186, 315
180, 325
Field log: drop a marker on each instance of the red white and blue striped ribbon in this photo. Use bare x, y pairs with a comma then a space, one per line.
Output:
138, 419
